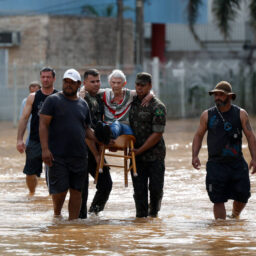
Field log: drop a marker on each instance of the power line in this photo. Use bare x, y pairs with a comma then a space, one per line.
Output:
70, 2
57, 8
53, 8
55, 5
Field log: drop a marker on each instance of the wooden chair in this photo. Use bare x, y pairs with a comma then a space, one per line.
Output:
123, 143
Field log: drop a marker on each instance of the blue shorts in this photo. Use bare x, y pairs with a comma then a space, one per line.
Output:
34, 161
66, 173
118, 128
228, 181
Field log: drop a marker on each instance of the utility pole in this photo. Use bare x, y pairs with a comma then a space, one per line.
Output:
139, 35
119, 34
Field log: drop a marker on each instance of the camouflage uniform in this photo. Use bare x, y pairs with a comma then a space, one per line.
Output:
104, 184
96, 108
150, 164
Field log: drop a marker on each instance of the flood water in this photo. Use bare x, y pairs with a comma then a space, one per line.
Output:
185, 225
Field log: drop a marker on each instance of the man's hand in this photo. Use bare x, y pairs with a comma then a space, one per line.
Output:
47, 157
146, 100
196, 162
136, 151
20, 146
253, 166
82, 92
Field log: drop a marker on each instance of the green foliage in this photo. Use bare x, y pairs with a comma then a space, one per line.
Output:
196, 92
108, 11
90, 10
252, 7
192, 10
225, 11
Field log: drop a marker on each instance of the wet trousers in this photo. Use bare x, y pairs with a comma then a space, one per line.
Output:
150, 178
104, 187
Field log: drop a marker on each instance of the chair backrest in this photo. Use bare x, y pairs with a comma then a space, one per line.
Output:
123, 141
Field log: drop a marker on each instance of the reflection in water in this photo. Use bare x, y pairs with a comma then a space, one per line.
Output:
185, 225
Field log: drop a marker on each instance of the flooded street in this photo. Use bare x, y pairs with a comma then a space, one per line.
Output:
185, 225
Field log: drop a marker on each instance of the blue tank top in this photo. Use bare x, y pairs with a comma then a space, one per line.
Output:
224, 137
36, 107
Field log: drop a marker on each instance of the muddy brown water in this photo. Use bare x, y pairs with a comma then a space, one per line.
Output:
185, 225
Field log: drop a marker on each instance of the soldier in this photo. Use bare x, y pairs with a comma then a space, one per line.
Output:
148, 125
104, 184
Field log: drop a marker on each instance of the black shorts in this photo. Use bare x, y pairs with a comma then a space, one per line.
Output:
228, 181
34, 161
66, 173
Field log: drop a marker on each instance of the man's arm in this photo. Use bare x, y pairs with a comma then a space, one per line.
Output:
92, 146
90, 134
23, 123
44, 124
82, 92
198, 138
146, 100
250, 138
151, 141
23, 103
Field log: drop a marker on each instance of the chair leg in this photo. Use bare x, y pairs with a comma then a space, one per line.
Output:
102, 155
125, 168
133, 160
100, 165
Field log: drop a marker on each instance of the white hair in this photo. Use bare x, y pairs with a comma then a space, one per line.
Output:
117, 73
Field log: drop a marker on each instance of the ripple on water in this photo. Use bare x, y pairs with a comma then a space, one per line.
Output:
185, 225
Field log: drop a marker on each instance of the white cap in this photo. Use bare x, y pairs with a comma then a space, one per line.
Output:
72, 74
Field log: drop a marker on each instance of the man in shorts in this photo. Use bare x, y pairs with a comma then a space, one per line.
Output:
227, 172
33, 166
64, 124
33, 87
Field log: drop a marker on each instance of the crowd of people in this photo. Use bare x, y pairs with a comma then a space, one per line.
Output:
68, 127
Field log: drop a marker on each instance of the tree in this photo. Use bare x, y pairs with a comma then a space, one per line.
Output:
139, 34
90, 10
225, 12
119, 33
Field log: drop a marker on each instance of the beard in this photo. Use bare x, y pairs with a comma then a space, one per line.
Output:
221, 103
69, 93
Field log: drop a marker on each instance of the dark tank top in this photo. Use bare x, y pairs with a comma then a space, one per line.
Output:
36, 106
224, 139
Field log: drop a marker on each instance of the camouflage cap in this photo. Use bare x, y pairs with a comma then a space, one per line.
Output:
143, 78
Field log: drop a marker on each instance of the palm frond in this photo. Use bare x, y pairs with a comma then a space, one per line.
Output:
252, 8
127, 8
192, 15
225, 11
109, 11
90, 10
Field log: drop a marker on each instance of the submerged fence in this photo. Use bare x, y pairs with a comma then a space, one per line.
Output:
183, 86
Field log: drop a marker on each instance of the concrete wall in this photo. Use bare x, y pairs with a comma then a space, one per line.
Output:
78, 41
34, 38
63, 42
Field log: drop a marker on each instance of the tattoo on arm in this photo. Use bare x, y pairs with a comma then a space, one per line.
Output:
248, 126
